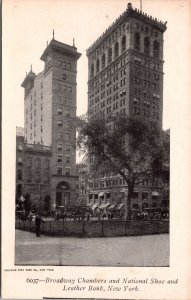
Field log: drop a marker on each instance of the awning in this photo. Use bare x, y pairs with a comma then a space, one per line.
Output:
102, 206
120, 205
155, 194
101, 194
112, 206
95, 205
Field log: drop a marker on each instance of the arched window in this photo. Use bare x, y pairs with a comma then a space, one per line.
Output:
146, 45
103, 61
109, 59
92, 70
156, 49
137, 41
97, 66
116, 49
123, 43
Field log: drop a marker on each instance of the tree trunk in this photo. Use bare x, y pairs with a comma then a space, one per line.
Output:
126, 206
128, 201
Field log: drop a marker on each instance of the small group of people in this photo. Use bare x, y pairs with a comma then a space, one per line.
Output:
106, 215
152, 215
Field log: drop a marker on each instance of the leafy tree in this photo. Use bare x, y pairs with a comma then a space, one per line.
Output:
134, 149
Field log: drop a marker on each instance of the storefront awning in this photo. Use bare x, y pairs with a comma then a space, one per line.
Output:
120, 205
112, 206
95, 205
155, 194
105, 205
101, 194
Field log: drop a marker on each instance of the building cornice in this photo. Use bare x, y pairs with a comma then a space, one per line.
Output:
60, 47
129, 12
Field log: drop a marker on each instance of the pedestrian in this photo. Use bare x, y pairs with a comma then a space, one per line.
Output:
38, 222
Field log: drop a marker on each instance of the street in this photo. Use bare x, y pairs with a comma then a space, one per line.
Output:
150, 250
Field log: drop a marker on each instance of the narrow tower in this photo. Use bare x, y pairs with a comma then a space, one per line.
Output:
50, 110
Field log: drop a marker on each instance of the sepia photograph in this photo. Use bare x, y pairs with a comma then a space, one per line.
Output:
97, 181
95, 149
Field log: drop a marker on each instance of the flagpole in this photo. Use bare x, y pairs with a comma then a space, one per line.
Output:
141, 5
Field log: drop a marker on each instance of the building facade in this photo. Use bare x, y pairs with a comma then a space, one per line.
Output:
49, 111
82, 183
33, 173
125, 67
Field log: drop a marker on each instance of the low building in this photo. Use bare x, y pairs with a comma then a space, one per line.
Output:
110, 193
33, 172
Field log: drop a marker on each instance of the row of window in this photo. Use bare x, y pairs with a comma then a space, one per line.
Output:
36, 141
137, 91
121, 181
60, 147
37, 163
146, 103
36, 178
147, 74
146, 94
34, 92
60, 124
147, 47
60, 171
121, 29
63, 88
41, 97
122, 93
120, 63
63, 136
63, 64
31, 114
148, 63
103, 112
60, 159
113, 53
145, 113
64, 100
115, 105
144, 73
146, 83
146, 30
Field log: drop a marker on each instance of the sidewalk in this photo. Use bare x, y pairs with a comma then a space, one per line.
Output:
152, 250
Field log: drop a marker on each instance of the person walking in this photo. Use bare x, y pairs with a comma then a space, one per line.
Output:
38, 222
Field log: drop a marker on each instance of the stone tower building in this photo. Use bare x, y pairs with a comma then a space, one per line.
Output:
125, 76
126, 68
50, 108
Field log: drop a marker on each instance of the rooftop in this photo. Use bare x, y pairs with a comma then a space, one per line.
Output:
129, 12
30, 76
58, 46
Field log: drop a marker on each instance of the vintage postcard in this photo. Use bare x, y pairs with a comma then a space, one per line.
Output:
95, 149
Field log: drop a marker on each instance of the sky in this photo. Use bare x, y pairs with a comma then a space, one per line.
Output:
28, 25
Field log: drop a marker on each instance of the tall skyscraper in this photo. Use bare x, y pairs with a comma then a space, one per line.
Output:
125, 67
50, 108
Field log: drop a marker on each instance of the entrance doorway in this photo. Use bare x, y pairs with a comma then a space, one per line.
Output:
62, 194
